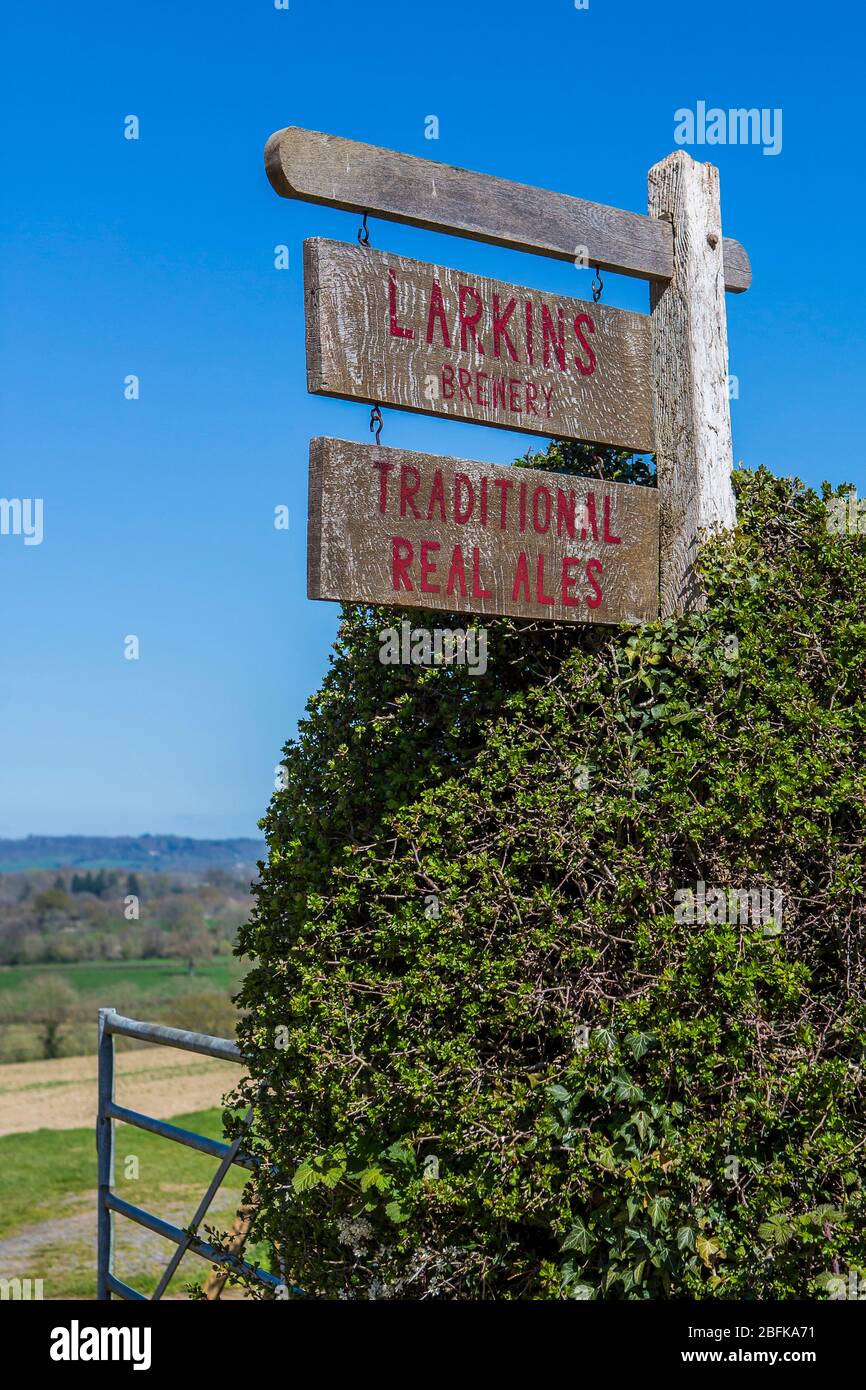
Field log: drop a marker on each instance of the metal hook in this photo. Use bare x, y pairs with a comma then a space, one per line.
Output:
376, 422
597, 285
363, 233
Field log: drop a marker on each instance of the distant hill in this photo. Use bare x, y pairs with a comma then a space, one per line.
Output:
159, 853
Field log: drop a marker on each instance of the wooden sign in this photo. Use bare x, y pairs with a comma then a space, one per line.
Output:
392, 527
423, 337
403, 188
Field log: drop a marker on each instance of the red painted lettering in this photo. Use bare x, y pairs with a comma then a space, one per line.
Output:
499, 329
541, 524
437, 496
521, 579
468, 322
428, 566
396, 330
594, 567
610, 539
585, 368
565, 512
401, 558
437, 311
384, 470
551, 337
540, 595
568, 582
462, 512
505, 485
409, 490
456, 573
590, 517
477, 590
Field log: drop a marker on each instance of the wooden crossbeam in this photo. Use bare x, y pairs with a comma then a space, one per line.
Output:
327, 169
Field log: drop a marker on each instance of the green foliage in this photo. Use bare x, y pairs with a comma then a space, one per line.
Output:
100, 884
497, 1064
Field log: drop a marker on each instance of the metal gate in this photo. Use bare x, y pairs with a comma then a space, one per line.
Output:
110, 1204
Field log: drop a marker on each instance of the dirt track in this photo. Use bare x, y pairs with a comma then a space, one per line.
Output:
62, 1094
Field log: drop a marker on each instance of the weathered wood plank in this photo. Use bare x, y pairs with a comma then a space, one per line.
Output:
394, 527
327, 169
690, 377
427, 338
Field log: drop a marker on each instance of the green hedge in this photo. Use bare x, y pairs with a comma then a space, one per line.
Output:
554, 1088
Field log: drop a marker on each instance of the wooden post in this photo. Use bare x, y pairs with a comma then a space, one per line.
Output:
691, 408
105, 1160
216, 1280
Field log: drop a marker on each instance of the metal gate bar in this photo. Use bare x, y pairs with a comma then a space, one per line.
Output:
213, 1147
110, 1023
197, 1246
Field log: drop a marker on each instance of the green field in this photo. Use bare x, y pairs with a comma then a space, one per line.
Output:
47, 1201
160, 990
165, 977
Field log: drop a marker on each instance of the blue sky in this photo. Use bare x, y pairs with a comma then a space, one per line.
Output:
156, 257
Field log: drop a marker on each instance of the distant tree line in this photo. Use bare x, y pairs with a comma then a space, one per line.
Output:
46, 917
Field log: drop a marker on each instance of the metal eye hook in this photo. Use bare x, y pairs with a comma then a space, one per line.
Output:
364, 233
376, 422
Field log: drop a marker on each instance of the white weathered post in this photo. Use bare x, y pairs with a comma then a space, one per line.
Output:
690, 376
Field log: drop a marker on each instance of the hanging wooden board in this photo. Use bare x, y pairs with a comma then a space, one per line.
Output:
340, 173
423, 337
393, 527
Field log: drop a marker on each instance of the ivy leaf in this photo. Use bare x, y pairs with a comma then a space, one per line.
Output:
559, 1094
707, 1249
626, 1089
658, 1209
685, 1238
578, 1238
640, 1043
641, 1121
